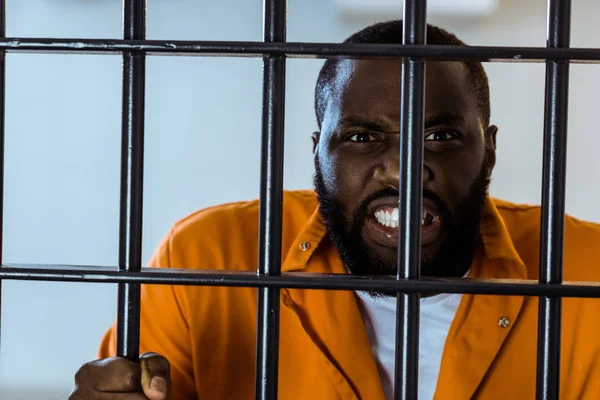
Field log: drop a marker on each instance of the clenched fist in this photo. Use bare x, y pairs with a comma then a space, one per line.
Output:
120, 379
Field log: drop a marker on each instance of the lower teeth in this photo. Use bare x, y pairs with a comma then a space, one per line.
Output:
426, 220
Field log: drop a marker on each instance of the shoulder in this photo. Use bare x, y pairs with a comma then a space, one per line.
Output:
581, 238
532, 214
226, 236
517, 210
232, 217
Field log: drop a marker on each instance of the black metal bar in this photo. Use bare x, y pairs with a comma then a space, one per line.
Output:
2, 137
409, 203
299, 280
553, 201
271, 202
132, 174
301, 50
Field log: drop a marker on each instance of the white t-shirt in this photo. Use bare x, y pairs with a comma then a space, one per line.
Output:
437, 313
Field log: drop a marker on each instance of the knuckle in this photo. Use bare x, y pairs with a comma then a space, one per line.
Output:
156, 364
149, 354
92, 370
115, 372
76, 394
153, 358
112, 361
130, 379
129, 375
82, 373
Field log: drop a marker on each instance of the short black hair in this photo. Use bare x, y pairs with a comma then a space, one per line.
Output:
390, 32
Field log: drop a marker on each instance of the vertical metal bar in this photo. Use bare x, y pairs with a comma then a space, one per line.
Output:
132, 174
271, 201
2, 136
553, 201
409, 203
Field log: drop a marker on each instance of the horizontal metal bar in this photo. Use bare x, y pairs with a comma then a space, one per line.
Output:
303, 50
299, 280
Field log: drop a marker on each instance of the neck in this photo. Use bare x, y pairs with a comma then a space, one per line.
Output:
458, 270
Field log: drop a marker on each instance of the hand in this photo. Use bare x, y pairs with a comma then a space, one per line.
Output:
120, 379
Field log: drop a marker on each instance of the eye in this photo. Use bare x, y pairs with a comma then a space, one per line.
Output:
440, 136
362, 137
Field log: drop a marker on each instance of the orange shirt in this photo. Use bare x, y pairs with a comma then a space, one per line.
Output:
209, 333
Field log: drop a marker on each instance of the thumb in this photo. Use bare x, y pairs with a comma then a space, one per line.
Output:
156, 379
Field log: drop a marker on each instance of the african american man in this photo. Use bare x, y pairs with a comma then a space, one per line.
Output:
200, 341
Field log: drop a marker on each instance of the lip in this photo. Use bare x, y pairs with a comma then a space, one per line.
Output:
388, 237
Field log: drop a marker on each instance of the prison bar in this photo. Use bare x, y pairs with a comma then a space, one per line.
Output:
103, 274
553, 202
271, 202
132, 174
2, 138
407, 284
410, 186
299, 50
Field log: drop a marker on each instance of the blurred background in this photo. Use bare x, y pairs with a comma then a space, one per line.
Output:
203, 142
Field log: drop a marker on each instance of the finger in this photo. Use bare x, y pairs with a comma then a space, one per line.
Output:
118, 396
79, 395
115, 374
156, 376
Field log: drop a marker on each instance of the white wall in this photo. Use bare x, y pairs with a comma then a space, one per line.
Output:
202, 147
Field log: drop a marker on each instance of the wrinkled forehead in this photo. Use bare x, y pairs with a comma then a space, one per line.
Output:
372, 88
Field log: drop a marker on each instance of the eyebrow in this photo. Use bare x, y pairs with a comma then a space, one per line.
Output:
378, 125
444, 119
372, 124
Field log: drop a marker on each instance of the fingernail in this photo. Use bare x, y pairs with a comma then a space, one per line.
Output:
159, 384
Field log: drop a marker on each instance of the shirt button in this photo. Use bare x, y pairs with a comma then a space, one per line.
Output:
305, 246
504, 322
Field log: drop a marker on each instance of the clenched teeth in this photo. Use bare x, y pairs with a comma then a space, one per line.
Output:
387, 218
426, 219
390, 219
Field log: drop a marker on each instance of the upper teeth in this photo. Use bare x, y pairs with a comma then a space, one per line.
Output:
390, 219
387, 218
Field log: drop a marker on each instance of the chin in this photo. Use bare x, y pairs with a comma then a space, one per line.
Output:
389, 255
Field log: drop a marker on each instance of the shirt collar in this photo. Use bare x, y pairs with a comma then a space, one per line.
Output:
306, 243
495, 236
497, 242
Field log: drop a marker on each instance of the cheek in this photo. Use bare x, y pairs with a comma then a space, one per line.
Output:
458, 177
340, 178
329, 170
467, 169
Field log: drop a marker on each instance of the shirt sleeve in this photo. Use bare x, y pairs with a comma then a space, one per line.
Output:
163, 328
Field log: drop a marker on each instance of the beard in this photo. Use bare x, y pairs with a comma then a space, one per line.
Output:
454, 255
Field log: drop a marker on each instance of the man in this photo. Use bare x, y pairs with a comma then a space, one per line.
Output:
340, 344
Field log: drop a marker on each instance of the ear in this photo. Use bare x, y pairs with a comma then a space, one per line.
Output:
315, 139
490, 133
489, 137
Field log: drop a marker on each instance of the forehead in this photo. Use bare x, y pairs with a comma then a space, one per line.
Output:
371, 88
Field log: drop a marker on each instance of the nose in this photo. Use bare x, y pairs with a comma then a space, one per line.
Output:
427, 172
387, 172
